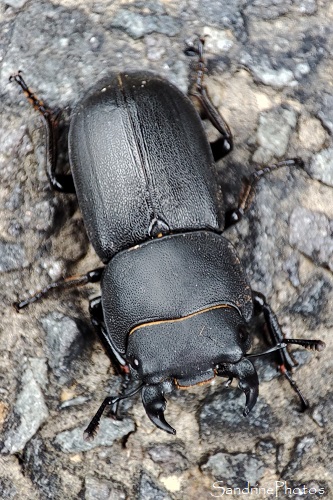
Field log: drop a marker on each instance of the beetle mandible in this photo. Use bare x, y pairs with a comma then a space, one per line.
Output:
175, 302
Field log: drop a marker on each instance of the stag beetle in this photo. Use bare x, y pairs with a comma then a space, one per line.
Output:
175, 303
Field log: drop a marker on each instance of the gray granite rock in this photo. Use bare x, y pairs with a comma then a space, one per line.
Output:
322, 412
95, 489
72, 441
240, 468
30, 409
7, 489
312, 234
12, 256
302, 447
170, 457
40, 465
321, 167
64, 340
223, 413
273, 134
137, 25
149, 490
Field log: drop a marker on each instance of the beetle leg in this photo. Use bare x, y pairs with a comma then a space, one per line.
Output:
235, 215
91, 277
248, 380
286, 361
198, 93
97, 319
274, 329
154, 403
59, 182
118, 363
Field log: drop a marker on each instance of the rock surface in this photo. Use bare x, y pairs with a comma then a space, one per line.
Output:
270, 74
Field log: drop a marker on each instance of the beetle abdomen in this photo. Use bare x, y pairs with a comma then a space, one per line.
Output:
139, 154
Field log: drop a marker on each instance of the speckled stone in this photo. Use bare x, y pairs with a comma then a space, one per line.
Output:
240, 468
31, 410
312, 233
72, 441
12, 256
149, 490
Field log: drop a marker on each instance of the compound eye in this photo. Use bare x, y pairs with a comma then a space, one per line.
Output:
134, 363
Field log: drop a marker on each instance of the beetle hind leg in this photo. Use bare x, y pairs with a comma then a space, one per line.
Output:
233, 216
199, 95
59, 182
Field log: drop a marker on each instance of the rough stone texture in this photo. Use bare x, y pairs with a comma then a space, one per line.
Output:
63, 339
95, 489
270, 73
137, 25
30, 408
171, 458
302, 448
72, 441
312, 234
149, 490
313, 302
275, 127
240, 468
321, 167
39, 464
11, 256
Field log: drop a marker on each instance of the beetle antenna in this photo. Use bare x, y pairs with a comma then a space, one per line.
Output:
316, 345
277, 347
91, 430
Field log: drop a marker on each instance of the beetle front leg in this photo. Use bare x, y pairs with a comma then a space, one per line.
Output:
59, 182
97, 319
286, 363
118, 362
198, 93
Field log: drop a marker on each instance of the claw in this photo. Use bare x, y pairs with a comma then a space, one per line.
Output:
155, 404
251, 393
248, 380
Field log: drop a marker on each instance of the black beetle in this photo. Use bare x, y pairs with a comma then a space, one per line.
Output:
175, 303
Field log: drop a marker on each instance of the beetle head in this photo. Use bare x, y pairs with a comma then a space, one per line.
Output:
187, 351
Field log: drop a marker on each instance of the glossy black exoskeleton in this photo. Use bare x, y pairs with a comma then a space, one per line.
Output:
175, 303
